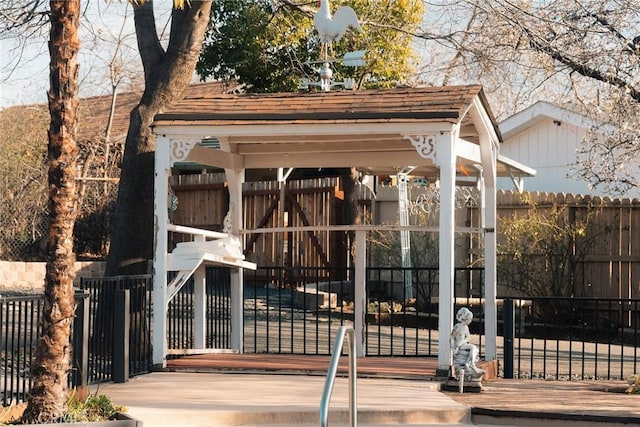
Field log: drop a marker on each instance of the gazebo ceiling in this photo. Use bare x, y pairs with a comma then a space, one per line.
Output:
368, 129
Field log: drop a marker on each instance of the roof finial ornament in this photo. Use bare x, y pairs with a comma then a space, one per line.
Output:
332, 28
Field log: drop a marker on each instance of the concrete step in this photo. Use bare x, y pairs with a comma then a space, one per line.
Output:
387, 425
166, 399
298, 417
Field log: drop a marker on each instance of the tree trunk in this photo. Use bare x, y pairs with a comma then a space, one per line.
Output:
167, 75
53, 353
351, 209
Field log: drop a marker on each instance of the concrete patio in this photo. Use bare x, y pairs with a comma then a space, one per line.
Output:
278, 390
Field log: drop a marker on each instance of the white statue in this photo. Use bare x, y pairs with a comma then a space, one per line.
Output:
465, 354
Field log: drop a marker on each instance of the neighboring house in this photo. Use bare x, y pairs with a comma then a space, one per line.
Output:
548, 138
94, 111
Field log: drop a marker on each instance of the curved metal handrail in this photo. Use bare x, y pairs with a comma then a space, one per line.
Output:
331, 376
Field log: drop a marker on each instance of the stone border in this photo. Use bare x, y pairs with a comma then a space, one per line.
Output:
18, 277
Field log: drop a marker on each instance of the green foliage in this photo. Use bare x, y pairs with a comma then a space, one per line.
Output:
388, 27
634, 385
540, 249
270, 51
248, 42
94, 408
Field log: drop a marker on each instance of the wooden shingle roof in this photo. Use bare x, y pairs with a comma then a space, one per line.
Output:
385, 105
377, 131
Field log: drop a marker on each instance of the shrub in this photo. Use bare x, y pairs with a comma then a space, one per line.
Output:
634, 385
96, 407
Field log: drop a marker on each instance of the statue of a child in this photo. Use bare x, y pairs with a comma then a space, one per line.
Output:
465, 354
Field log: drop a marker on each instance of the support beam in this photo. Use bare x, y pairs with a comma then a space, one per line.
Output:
446, 146
405, 236
200, 308
161, 219
235, 178
218, 158
490, 275
489, 157
489, 152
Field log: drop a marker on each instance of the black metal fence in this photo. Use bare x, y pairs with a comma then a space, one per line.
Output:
551, 338
20, 318
102, 317
402, 312
571, 338
92, 334
218, 323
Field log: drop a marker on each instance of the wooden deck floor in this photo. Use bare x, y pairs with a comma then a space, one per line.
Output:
418, 367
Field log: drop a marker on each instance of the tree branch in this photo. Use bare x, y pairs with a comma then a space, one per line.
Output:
151, 51
301, 7
582, 68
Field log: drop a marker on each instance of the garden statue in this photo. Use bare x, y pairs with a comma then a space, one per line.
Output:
465, 354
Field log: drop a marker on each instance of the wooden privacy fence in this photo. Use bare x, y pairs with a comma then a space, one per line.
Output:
610, 264
609, 269
203, 202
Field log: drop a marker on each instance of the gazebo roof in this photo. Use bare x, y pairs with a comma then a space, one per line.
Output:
367, 129
395, 105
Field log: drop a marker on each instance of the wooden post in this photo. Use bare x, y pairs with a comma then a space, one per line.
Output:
161, 216
235, 179
490, 276
489, 156
446, 159
200, 308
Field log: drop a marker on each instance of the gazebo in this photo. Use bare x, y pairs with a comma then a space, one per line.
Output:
434, 130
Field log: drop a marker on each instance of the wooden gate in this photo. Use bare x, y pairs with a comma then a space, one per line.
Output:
203, 200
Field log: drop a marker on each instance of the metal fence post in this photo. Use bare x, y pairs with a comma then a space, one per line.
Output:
121, 322
508, 333
80, 373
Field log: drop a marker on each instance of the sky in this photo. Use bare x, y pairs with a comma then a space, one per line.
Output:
26, 81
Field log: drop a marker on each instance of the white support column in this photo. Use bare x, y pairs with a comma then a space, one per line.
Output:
161, 219
490, 275
405, 235
235, 178
359, 291
200, 304
200, 308
489, 155
489, 148
446, 160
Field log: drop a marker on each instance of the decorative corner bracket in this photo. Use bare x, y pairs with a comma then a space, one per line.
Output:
228, 221
180, 149
425, 145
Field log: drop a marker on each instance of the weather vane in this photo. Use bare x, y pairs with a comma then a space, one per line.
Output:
332, 28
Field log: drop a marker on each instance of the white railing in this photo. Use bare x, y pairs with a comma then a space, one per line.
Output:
196, 231
331, 376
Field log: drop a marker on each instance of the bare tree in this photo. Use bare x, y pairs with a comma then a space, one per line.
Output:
167, 73
23, 182
581, 54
